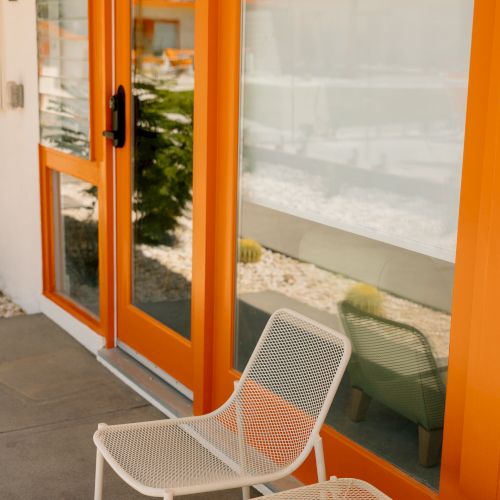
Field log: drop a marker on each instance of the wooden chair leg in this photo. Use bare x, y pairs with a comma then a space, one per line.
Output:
359, 404
429, 446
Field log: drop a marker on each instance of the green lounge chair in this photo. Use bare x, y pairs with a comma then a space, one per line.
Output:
393, 363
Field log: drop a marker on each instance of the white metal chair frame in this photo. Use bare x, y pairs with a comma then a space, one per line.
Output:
264, 431
334, 489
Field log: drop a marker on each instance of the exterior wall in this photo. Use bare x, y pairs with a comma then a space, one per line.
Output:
20, 245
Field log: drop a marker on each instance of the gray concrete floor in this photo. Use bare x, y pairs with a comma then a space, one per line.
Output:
53, 393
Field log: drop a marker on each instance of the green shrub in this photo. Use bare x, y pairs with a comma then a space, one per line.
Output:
81, 251
163, 162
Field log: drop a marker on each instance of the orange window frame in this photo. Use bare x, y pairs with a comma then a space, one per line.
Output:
471, 449
98, 170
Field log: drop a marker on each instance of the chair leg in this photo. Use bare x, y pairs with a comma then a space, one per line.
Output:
245, 490
99, 469
320, 459
360, 401
168, 496
429, 446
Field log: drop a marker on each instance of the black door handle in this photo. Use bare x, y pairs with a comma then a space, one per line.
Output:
117, 106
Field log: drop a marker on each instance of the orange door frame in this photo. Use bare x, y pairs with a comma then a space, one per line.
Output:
98, 171
471, 448
471, 406
187, 361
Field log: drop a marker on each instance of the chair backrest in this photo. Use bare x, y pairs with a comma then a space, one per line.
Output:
288, 386
393, 363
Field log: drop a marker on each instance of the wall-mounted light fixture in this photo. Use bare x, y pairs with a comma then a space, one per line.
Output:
15, 95
11, 93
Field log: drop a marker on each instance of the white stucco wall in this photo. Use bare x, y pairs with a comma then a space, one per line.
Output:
20, 240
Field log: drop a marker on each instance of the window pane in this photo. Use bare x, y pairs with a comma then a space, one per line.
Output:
162, 156
353, 116
76, 241
63, 75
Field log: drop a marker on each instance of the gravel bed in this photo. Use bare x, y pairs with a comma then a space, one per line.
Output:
323, 289
299, 280
415, 221
164, 272
8, 308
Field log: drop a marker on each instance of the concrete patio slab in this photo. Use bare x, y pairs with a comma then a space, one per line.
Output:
53, 393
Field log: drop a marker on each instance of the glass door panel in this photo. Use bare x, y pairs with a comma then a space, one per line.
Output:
162, 115
154, 185
352, 126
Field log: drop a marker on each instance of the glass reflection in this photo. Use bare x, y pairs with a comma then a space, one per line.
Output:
62, 28
76, 241
163, 87
353, 116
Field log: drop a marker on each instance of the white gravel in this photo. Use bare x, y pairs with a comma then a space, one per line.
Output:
299, 280
8, 308
412, 222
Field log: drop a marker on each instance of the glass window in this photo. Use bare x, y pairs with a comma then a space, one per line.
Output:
76, 241
352, 127
63, 75
162, 157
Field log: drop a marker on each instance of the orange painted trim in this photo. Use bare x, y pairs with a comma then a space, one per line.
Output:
93, 56
346, 458
159, 344
102, 78
228, 75
80, 168
473, 469
204, 162
468, 260
123, 64
46, 204
171, 4
74, 309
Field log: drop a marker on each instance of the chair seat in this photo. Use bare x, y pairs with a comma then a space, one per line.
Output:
179, 455
263, 432
335, 489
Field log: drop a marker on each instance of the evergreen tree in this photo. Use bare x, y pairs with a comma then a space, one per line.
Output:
163, 160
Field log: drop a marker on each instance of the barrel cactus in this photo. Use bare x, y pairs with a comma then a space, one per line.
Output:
365, 297
249, 251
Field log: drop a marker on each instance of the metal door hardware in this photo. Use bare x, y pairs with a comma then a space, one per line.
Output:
117, 106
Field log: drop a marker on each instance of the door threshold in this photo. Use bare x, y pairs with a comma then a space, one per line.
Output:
149, 385
185, 391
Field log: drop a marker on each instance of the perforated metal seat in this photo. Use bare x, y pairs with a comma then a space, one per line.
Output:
263, 432
335, 489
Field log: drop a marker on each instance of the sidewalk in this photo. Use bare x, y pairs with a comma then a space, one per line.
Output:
53, 393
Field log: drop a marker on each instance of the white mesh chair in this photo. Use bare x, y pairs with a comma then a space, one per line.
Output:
263, 432
335, 489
